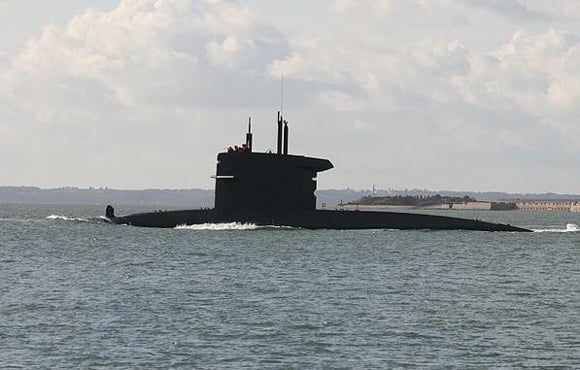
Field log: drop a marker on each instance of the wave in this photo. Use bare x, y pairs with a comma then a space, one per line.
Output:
230, 226
570, 228
66, 218
77, 219
219, 227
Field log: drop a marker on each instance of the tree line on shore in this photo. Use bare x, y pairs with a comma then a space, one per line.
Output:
411, 200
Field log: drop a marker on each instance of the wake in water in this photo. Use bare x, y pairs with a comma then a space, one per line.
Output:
77, 219
570, 228
228, 226
207, 226
218, 227
66, 218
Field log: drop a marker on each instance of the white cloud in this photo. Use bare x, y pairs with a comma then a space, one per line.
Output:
514, 104
534, 74
109, 74
508, 8
377, 79
440, 93
138, 49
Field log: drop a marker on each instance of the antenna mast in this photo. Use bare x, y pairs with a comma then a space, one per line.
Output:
282, 95
249, 135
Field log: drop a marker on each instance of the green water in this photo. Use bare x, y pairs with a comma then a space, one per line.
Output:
80, 293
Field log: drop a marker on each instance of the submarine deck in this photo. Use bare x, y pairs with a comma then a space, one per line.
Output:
313, 219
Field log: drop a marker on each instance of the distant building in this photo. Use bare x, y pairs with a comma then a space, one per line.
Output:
456, 206
565, 205
472, 206
484, 206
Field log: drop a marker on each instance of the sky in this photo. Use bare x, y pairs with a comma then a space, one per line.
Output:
478, 95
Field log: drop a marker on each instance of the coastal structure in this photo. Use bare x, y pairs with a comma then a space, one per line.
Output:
278, 189
430, 202
561, 205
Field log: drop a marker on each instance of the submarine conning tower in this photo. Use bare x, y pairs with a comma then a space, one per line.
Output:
276, 181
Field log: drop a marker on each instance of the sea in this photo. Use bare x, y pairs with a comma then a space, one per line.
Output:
77, 292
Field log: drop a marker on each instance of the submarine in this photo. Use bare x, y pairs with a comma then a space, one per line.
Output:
277, 189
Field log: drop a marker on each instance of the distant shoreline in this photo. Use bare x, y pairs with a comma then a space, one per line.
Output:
102, 196
205, 197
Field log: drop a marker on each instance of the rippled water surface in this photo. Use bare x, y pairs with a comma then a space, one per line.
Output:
76, 292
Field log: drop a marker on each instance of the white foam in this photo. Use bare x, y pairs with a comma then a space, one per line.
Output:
65, 218
218, 227
103, 219
570, 228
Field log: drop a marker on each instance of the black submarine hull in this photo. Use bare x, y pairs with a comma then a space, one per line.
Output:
311, 219
278, 189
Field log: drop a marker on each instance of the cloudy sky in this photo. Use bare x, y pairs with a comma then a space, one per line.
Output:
438, 94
